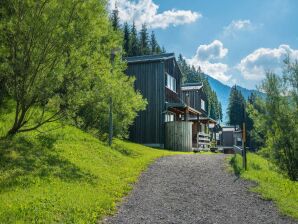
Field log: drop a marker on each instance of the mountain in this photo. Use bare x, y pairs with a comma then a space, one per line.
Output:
223, 93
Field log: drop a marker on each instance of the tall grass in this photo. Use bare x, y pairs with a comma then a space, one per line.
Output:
271, 184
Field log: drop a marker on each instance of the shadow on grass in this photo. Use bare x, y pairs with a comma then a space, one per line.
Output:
236, 168
24, 161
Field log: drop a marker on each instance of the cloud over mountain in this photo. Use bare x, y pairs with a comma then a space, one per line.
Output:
255, 65
207, 58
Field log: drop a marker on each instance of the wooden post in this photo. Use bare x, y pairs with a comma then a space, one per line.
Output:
244, 141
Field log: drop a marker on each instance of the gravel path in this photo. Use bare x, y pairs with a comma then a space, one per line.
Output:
194, 189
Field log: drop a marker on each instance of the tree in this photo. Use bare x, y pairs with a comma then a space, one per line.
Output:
53, 52
155, 48
134, 43
281, 118
236, 107
126, 37
115, 18
255, 124
144, 41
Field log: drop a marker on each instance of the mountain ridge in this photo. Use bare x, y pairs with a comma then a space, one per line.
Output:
223, 93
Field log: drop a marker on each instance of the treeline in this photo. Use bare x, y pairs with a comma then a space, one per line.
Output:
193, 75
272, 120
55, 65
136, 43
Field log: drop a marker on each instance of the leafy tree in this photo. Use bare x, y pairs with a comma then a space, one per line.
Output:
126, 36
236, 107
56, 60
255, 123
281, 118
144, 41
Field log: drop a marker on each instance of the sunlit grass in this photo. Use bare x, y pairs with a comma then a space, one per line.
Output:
65, 175
271, 184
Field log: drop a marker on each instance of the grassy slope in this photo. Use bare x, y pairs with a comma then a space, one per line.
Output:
65, 175
271, 184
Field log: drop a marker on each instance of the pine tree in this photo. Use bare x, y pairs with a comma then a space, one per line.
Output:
144, 41
115, 18
163, 50
126, 36
133, 43
236, 107
155, 49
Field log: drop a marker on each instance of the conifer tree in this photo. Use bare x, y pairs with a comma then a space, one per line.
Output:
144, 41
236, 107
126, 37
133, 41
155, 49
115, 18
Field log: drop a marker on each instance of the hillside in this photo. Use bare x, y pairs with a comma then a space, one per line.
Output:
65, 175
223, 92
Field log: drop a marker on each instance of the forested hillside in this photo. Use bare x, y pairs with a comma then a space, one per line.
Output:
193, 75
223, 92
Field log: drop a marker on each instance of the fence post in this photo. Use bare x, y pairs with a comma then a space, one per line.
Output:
244, 160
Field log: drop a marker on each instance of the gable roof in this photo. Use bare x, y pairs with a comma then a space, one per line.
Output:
150, 58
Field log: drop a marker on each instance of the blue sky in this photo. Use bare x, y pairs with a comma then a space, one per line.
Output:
233, 41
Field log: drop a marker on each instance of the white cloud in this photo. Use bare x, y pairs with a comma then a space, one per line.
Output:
207, 57
146, 11
238, 25
255, 65
215, 50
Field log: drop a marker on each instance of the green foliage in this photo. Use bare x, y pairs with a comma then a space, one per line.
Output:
126, 37
282, 118
65, 175
193, 75
271, 184
57, 58
255, 122
155, 48
93, 115
115, 19
236, 111
135, 44
275, 119
144, 41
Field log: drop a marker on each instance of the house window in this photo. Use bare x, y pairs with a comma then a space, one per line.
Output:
203, 106
169, 117
171, 82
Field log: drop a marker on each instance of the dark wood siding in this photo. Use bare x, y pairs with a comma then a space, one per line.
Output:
195, 97
171, 67
148, 127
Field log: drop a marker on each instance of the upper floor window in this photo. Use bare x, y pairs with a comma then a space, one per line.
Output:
171, 82
203, 106
169, 117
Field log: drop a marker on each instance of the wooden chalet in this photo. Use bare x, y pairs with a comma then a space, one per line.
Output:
195, 97
165, 122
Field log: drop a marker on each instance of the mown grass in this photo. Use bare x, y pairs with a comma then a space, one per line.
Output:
65, 175
271, 184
